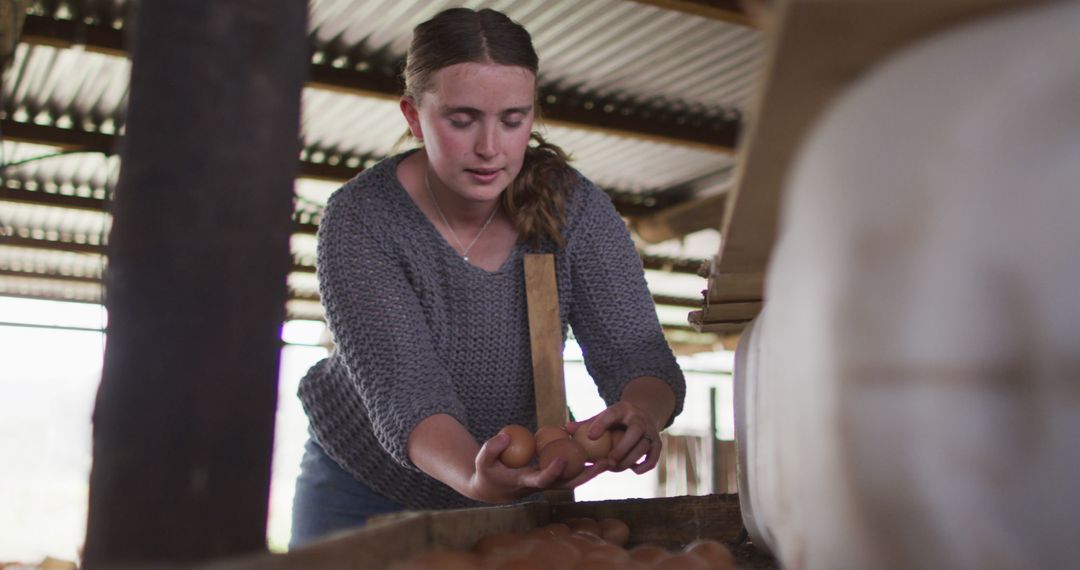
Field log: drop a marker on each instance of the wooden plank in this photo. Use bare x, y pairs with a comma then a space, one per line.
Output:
728, 312
681, 219
397, 537
198, 256
726, 467
545, 338
817, 48
670, 522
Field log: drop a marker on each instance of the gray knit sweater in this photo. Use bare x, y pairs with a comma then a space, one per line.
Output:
419, 331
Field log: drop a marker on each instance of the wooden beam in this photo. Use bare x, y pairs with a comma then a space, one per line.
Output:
730, 11
198, 256
682, 219
816, 50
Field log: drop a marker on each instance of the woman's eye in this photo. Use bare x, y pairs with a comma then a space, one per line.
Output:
459, 124
512, 124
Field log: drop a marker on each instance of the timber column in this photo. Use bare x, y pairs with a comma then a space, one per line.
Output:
196, 284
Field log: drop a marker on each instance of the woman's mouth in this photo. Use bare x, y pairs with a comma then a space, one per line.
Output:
483, 175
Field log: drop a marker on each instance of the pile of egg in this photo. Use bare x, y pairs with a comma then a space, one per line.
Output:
577, 544
553, 442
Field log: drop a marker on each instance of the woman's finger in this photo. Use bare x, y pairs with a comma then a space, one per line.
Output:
629, 441
651, 458
543, 478
492, 448
639, 450
586, 475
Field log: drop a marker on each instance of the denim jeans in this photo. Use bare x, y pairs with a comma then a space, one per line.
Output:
329, 499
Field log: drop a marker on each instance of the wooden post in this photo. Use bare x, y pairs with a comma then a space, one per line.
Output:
198, 257
545, 337
714, 444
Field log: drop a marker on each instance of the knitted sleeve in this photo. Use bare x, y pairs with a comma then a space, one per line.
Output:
377, 324
612, 312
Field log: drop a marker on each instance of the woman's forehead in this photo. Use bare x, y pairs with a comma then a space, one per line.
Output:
484, 86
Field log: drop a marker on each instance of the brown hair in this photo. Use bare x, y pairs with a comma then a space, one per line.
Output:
536, 200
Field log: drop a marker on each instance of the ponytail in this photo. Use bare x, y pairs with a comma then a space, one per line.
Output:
536, 200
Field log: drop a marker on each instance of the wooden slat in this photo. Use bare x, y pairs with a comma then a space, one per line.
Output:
728, 312
397, 537
545, 338
670, 522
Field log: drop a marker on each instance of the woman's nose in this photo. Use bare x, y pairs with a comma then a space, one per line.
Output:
487, 144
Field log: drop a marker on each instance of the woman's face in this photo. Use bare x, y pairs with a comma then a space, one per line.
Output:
475, 122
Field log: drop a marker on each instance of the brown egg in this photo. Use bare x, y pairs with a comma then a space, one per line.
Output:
558, 529
600, 564
595, 449
541, 534
513, 561
593, 538
607, 551
714, 553
583, 524
555, 553
496, 542
649, 553
442, 560
681, 561
548, 434
567, 449
579, 541
615, 531
522, 447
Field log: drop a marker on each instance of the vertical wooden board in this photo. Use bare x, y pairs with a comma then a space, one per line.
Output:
545, 334
545, 338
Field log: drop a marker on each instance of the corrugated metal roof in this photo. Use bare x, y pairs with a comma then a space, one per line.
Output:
606, 50
605, 47
66, 87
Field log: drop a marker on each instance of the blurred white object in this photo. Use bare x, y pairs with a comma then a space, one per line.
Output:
910, 398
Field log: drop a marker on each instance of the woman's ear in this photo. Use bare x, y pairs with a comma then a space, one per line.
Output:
412, 116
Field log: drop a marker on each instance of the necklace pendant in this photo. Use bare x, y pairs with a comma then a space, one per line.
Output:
466, 258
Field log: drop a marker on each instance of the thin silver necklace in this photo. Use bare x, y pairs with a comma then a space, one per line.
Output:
464, 249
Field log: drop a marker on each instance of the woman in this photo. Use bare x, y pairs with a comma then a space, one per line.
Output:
420, 271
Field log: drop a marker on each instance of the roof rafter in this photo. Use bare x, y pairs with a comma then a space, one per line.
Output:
731, 11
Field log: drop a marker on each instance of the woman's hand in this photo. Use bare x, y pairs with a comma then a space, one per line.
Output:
493, 482
641, 440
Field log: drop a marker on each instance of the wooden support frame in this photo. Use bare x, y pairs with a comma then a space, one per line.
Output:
671, 523
817, 48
